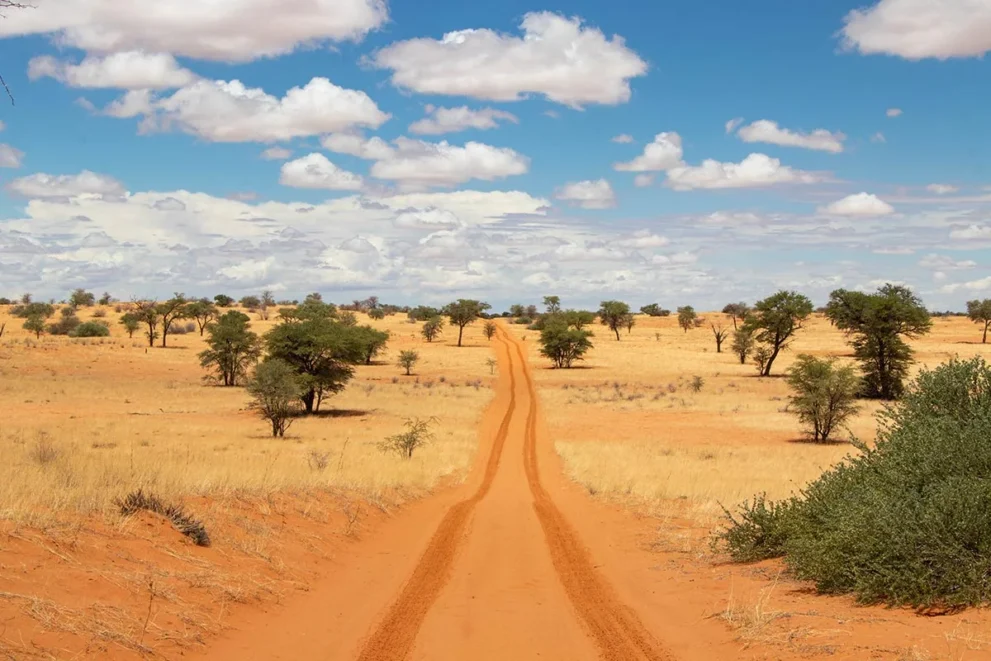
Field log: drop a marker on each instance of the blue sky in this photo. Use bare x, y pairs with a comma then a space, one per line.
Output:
679, 152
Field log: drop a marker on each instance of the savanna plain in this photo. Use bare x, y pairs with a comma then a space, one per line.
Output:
630, 457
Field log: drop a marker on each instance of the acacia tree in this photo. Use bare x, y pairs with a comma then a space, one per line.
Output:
146, 312
432, 328
687, 317
980, 313
824, 394
775, 320
203, 311
233, 348
562, 344
552, 304
373, 340
408, 359
490, 329
737, 311
275, 391
579, 319
171, 311
877, 323
35, 324
82, 298
743, 343
720, 334
319, 348
131, 323
463, 312
614, 315
654, 310
629, 321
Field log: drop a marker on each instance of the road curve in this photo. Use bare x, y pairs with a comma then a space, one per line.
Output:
504, 574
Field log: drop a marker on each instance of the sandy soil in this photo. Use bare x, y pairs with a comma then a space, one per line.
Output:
517, 560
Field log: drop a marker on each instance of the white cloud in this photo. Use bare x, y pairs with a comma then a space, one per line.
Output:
316, 171
452, 120
127, 70
222, 111
942, 189
230, 31
859, 204
43, 186
878, 137
623, 139
893, 112
663, 153
133, 103
415, 163
276, 154
984, 284
732, 124
642, 240
972, 232
755, 171
587, 194
557, 57
945, 263
355, 144
10, 157
764, 130
428, 219
643, 180
917, 29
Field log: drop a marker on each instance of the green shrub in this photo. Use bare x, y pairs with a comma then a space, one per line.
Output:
823, 395
906, 522
91, 329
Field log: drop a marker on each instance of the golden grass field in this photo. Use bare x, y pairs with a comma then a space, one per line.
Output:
87, 420
629, 427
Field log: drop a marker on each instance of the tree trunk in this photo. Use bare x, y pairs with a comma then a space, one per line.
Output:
165, 333
719, 344
734, 322
616, 330
770, 361
461, 332
983, 341
275, 427
308, 398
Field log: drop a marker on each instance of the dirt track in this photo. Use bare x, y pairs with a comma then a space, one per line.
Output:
500, 572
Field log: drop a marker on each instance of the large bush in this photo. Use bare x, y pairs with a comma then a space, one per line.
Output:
907, 521
91, 329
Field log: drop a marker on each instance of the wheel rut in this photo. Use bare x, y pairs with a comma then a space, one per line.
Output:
613, 631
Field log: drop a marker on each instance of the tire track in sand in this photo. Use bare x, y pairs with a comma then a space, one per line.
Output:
396, 634
614, 627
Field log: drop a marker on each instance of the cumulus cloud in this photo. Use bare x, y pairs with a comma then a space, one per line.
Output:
859, 204
276, 154
126, 70
222, 111
428, 219
663, 153
917, 29
452, 120
755, 171
972, 232
415, 163
10, 157
596, 194
43, 186
557, 57
623, 139
133, 103
893, 112
643, 180
942, 189
355, 144
229, 31
316, 171
764, 130
984, 284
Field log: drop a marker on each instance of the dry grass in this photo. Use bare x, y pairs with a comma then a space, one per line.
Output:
752, 618
630, 426
87, 421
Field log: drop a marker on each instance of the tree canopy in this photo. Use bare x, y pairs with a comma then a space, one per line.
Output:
980, 313
877, 323
774, 321
614, 315
463, 312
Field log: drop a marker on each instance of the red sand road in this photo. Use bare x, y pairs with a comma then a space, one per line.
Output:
492, 570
